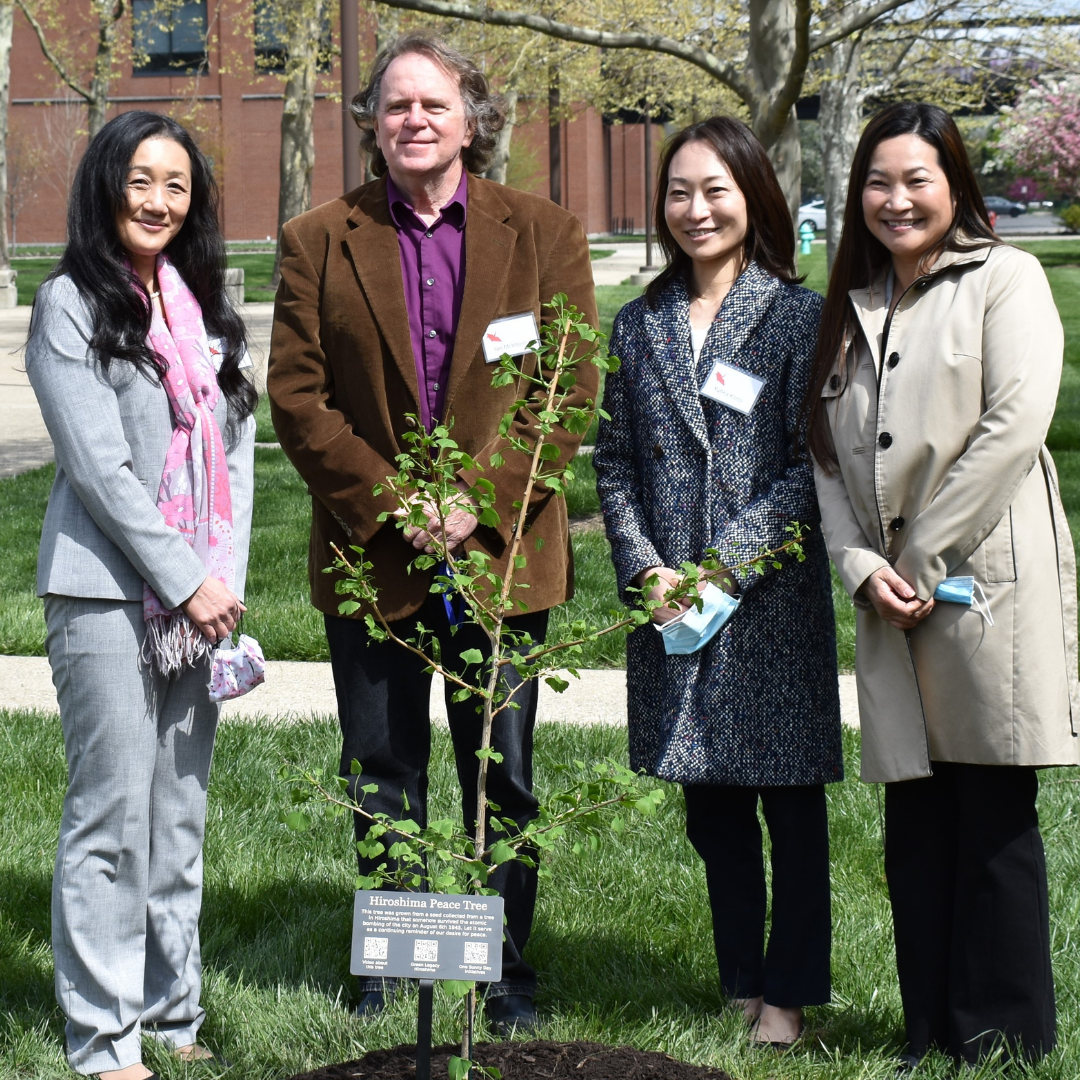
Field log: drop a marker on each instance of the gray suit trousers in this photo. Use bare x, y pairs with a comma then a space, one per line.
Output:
128, 883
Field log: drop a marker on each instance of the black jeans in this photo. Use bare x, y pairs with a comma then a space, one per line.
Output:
383, 697
967, 882
722, 824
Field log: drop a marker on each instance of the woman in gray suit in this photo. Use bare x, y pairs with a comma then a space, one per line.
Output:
703, 450
135, 357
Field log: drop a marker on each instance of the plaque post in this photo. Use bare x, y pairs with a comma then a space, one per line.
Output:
423, 1030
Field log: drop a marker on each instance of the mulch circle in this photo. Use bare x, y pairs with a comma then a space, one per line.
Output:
525, 1061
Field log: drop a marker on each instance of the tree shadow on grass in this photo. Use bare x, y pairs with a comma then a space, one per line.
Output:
282, 933
628, 982
26, 969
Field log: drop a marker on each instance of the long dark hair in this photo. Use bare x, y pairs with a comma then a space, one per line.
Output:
95, 259
861, 257
770, 235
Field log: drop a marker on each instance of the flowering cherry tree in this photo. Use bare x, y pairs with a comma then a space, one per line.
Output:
1041, 134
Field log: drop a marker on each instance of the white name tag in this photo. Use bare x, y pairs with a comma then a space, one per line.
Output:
512, 334
733, 387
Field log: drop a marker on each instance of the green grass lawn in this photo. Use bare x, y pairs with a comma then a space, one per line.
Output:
290, 629
622, 938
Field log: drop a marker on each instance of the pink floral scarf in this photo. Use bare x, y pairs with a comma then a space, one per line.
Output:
194, 496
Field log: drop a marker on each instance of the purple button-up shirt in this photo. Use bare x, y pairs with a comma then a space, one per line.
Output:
433, 274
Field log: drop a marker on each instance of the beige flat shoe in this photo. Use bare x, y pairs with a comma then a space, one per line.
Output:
766, 1032
195, 1053
749, 1007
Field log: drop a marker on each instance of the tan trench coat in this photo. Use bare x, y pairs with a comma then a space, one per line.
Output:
938, 420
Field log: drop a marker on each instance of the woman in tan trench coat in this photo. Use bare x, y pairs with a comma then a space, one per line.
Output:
935, 383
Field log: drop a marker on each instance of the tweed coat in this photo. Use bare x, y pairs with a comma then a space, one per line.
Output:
342, 378
679, 473
938, 417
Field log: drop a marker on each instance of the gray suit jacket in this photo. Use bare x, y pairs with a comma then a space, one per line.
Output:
103, 533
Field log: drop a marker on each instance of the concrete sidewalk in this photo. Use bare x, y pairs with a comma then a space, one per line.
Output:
24, 442
295, 691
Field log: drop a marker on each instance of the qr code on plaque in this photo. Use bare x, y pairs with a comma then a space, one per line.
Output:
426, 952
476, 952
375, 948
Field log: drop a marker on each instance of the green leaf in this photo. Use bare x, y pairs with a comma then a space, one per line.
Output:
457, 1067
489, 517
472, 656
496, 460
297, 821
457, 988
355, 768
556, 684
348, 607
502, 852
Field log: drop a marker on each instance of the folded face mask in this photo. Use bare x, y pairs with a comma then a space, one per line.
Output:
694, 629
962, 590
236, 669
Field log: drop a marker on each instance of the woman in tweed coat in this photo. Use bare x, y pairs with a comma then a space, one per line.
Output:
755, 713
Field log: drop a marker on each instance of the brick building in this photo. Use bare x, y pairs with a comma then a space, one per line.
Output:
234, 107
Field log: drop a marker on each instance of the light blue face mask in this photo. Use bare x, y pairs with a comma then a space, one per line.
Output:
694, 629
961, 590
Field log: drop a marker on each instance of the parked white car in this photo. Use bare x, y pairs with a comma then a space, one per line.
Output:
813, 213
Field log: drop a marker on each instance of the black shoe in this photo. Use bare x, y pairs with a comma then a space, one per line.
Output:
370, 1004
509, 1013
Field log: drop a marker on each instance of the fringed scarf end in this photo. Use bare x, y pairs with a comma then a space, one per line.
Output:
173, 643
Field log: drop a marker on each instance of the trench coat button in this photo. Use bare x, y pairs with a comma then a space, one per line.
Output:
884, 440
834, 383
410, 421
658, 451
894, 359
897, 524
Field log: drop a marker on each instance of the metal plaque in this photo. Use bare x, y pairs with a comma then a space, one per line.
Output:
427, 935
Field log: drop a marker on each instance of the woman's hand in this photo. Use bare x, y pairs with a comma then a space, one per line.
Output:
668, 579
214, 609
894, 599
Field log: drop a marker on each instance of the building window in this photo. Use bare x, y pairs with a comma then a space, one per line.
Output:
170, 39
272, 39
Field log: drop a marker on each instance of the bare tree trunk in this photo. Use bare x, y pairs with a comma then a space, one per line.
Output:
771, 55
110, 12
7, 22
839, 120
501, 159
554, 139
297, 161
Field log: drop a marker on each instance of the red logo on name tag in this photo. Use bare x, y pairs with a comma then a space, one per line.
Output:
494, 337
720, 379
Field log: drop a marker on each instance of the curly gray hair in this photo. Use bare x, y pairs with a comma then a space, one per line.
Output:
485, 110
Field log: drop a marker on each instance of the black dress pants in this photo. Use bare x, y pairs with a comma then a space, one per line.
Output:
967, 882
383, 695
722, 824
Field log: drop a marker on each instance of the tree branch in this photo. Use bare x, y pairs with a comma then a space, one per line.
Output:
723, 72
54, 60
855, 22
780, 107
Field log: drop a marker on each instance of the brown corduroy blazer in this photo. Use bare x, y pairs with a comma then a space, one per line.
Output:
342, 378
